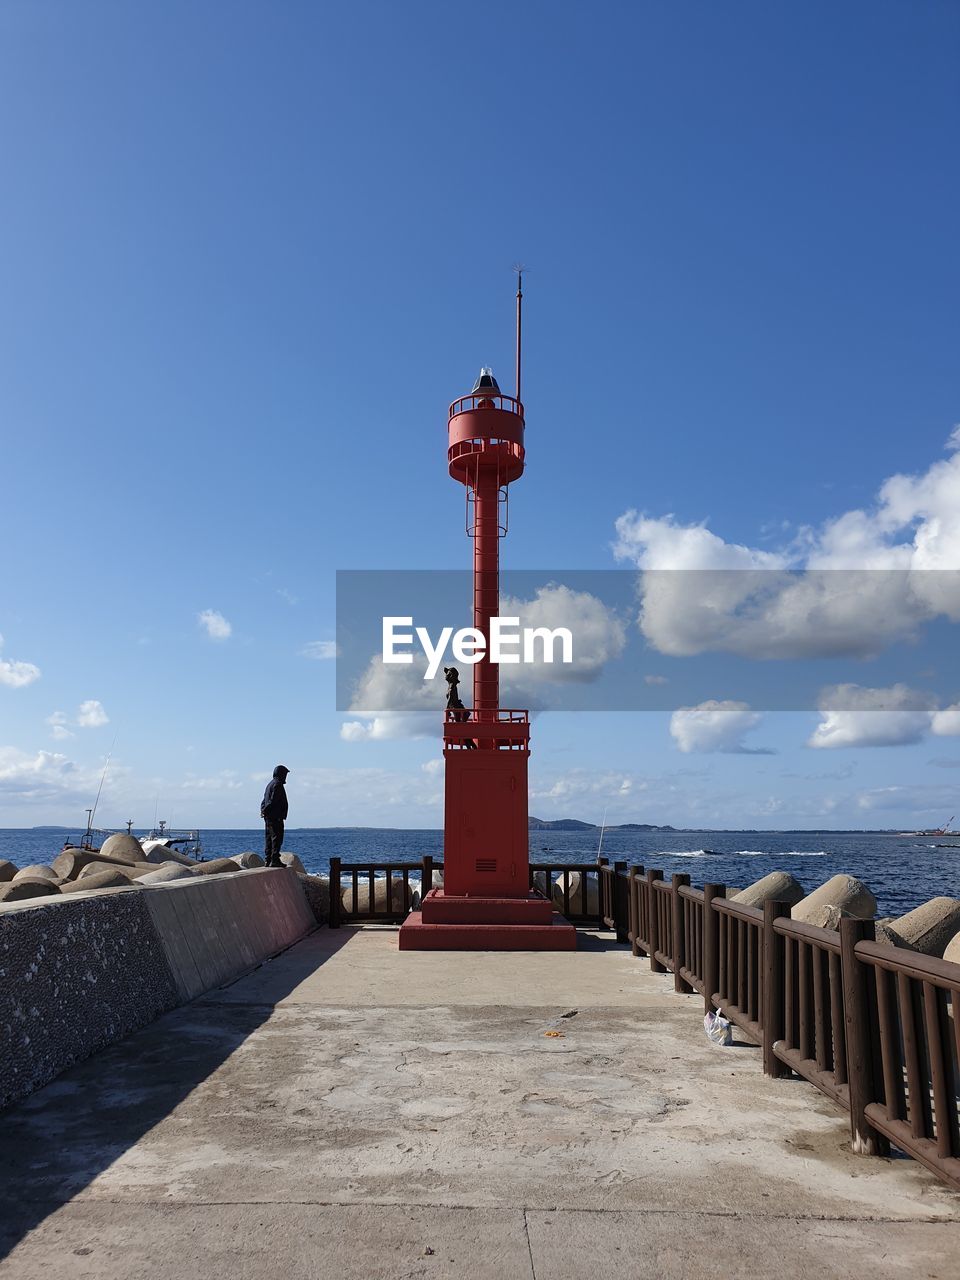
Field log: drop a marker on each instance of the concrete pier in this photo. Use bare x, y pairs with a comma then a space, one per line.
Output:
351, 1110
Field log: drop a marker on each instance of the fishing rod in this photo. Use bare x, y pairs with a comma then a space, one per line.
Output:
603, 826
106, 765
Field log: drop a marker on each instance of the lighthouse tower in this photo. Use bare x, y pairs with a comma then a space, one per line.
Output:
486, 902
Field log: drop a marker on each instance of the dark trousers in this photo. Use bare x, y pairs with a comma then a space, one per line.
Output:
273, 842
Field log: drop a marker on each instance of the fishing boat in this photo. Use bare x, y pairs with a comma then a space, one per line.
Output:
187, 843
181, 845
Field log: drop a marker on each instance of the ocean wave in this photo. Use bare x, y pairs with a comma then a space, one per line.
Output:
788, 853
739, 853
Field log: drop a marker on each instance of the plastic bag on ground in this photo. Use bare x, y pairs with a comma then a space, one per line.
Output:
718, 1029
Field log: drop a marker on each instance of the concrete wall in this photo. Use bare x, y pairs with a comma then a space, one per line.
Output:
80, 971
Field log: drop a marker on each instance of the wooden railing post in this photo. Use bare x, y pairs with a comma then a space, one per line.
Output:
620, 905
862, 1067
426, 876
772, 1024
711, 944
679, 933
632, 910
602, 888
653, 924
336, 894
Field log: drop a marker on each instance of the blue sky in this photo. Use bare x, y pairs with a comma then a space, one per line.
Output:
250, 252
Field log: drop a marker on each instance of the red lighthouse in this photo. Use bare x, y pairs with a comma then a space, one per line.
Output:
486, 902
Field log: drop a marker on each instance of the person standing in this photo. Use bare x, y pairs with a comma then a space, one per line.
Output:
273, 811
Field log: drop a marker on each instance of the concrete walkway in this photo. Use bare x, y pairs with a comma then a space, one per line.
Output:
353, 1111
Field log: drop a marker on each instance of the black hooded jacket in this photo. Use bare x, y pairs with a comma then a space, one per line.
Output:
273, 807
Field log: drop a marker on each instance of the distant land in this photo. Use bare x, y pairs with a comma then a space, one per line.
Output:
574, 824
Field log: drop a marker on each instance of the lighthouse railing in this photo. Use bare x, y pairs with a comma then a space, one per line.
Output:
484, 400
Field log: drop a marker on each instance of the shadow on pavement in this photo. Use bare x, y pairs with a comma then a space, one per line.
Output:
591, 940
57, 1141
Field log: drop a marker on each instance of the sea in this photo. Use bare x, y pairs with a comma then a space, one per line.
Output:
902, 871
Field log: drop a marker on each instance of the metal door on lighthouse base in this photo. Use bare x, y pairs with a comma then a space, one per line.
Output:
485, 834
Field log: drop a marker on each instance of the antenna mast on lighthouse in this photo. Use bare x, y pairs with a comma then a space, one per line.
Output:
519, 269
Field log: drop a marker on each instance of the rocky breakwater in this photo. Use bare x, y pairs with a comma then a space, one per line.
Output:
123, 863
932, 929
119, 864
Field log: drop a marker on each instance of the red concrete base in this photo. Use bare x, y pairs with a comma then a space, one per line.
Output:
418, 935
441, 908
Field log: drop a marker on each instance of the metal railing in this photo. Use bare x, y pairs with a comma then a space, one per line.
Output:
508, 727
496, 400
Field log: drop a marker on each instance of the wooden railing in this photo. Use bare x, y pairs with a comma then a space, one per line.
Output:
598, 892
585, 904
614, 898
914, 1100
808, 1026
739, 989
688, 931
639, 913
364, 883
874, 1027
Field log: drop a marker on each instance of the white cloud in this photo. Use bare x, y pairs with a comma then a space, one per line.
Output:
225, 780
715, 726
932, 803
946, 723
46, 775
586, 788
900, 560
391, 727
433, 767
854, 716
16, 675
58, 726
91, 715
395, 702
320, 650
599, 636
383, 797
290, 598
655, 680
215, 624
